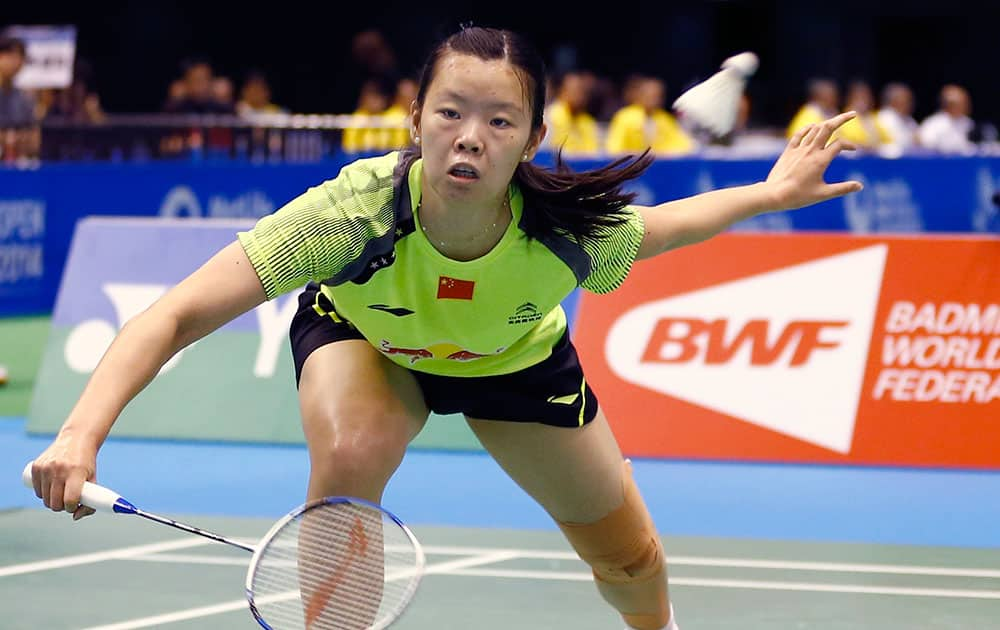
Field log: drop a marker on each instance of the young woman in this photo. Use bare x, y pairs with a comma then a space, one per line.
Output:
434, 282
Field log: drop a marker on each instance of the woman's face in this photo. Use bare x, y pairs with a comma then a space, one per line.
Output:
474, 127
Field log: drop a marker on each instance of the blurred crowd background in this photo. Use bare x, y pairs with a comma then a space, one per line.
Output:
180, 80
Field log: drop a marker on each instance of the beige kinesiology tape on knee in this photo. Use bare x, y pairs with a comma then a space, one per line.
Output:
626, 556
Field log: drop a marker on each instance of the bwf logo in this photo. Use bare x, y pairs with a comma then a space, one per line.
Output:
716, 342
785, 350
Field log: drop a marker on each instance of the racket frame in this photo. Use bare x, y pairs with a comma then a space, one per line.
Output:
421, 560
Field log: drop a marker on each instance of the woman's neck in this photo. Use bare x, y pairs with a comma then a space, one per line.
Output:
464, 232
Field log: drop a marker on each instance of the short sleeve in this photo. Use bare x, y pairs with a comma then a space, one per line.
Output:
319, 233
612, 255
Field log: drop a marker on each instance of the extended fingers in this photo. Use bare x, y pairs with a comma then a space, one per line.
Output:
796, 139
829, 127
839, 145
843, 188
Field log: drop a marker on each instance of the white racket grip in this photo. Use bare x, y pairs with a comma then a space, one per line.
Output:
93, 496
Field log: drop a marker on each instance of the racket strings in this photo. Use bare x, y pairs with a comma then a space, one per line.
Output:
340, 566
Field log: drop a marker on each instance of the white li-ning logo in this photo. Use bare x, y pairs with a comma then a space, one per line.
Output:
785, 349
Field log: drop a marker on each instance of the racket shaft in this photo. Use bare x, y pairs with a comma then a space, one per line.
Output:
106, 500
192, 530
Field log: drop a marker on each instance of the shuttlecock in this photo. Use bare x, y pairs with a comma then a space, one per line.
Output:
712, 104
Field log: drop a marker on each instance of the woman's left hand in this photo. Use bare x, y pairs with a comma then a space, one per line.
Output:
796, 179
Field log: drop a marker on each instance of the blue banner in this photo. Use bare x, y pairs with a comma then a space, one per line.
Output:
39, 208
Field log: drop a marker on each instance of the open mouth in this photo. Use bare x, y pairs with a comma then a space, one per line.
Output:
464, 172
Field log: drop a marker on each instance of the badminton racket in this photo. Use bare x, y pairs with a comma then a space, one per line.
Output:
338, 563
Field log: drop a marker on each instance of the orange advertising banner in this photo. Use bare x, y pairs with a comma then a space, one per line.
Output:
804, 348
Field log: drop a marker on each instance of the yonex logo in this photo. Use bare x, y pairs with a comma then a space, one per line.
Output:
524, 314
785, 349
89, 340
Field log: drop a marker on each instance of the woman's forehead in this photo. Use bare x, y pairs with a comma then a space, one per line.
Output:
466, 76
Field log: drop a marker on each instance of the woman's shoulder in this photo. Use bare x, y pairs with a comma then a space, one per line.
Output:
377, 168
363, 184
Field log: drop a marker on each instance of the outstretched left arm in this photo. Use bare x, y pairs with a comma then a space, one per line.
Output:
795, 180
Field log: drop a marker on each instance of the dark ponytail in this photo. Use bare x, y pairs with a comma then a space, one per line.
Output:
577, 203
556, 200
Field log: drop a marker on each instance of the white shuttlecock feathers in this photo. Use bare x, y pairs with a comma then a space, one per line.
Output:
712, 104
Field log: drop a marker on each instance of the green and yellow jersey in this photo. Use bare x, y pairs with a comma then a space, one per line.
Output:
359, 236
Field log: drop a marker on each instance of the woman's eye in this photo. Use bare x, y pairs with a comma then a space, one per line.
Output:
449, 113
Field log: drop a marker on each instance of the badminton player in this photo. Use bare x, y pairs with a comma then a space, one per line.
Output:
433, 278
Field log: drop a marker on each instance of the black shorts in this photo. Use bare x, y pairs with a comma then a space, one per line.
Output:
548, 392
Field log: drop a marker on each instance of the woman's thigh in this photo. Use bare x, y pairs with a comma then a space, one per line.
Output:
574, 473
359, 411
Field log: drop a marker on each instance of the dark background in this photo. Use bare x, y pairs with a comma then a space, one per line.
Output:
136, 48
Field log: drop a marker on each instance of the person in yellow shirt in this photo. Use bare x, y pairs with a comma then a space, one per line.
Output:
397, 118
864, 131
645, 124
571, 128
823, 103
365, 132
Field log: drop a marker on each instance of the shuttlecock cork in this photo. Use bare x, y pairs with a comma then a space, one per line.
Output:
712, 104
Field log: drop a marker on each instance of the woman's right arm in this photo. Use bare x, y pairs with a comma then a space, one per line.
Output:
222, 289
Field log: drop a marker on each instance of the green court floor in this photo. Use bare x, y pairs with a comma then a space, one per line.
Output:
118, 573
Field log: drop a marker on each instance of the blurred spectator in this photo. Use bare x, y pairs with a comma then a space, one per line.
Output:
571, 128
823, 102
605, 99
397, 117
365, 132
20, 136
223, 93
371, 57
646, 124
194, 94
896, 117
373, 53
17, 107
630, 89
864, 131
76, 103
947, 131
255, 96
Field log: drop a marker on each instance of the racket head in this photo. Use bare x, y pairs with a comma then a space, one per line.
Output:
336, 563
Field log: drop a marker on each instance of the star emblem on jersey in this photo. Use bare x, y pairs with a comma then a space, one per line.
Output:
382, 261
455, 289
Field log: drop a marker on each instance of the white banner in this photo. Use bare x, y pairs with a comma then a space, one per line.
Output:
50, 52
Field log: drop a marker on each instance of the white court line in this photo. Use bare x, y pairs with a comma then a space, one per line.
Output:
747, 584
697, 561
241, 604
122, 553
182, 558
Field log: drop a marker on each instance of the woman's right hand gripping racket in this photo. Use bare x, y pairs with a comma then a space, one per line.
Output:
339, 563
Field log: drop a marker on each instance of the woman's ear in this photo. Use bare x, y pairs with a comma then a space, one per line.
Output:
415, 122
534, 142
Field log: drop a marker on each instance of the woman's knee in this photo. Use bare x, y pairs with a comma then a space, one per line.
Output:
356, 447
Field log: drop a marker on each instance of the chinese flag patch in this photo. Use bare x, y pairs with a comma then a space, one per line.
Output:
455, 289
